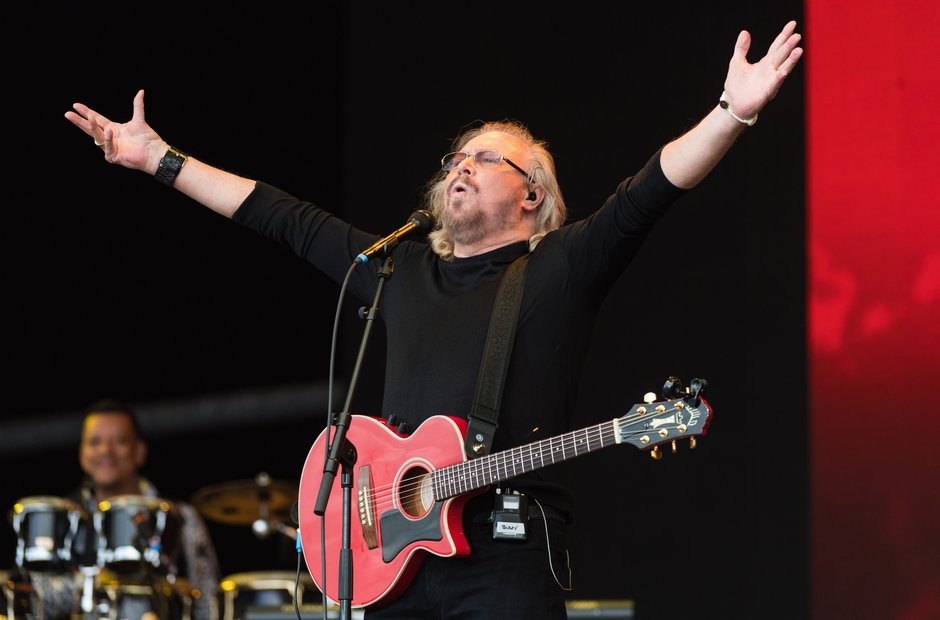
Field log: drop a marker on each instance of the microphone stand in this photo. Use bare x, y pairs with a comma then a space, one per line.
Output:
342, 451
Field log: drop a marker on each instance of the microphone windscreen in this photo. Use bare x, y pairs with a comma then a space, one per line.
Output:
423, 221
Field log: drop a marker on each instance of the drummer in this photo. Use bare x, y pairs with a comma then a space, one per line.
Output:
111, 454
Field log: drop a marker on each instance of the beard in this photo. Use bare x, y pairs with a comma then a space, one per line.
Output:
464, 227
470, 224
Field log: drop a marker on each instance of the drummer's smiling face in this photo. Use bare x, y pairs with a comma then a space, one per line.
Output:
111, 453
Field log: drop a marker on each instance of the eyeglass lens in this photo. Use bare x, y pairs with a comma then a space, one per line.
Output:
486, 158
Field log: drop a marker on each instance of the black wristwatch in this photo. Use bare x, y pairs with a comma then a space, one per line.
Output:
170, 165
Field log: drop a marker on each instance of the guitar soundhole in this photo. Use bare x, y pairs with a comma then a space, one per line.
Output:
417, 494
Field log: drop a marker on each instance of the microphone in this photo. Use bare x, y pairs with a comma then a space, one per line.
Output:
420, 221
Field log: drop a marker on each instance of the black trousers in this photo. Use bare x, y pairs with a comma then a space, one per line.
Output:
499, 580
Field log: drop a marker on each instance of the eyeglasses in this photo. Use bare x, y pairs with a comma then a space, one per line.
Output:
480, 158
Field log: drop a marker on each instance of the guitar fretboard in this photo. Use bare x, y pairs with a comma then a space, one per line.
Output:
485, 470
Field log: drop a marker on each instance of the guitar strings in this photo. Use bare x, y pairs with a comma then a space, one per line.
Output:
600, 435
593, 437
597, 436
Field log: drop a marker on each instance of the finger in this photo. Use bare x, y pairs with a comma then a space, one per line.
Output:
742, 45
89, 114
78, 120
139, 105
93, 125
83, 110
781, 55
783, 36
790, 61
96, 129
90, 124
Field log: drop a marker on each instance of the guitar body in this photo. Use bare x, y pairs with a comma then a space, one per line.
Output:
409, 492
395, 521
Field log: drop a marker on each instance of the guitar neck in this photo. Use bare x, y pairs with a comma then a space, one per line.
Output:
486, 470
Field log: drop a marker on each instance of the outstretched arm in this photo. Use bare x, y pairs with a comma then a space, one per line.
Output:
747, 89
136, 145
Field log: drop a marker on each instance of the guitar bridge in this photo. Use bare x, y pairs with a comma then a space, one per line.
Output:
367, 507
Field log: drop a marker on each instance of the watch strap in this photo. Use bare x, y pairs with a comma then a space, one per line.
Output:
170, 165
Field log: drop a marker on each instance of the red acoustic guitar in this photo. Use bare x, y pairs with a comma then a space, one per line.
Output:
411, 490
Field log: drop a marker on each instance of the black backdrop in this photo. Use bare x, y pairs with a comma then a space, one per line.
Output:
120, 287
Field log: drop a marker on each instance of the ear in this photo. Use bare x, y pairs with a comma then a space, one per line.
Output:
534, 198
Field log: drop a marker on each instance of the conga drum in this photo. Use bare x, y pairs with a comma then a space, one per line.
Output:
137, 534
46, 527
123, 597
272, 590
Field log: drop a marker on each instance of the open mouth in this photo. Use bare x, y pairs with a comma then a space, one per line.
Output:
459, 187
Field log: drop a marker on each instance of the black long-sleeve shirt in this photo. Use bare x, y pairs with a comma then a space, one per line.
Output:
437, 312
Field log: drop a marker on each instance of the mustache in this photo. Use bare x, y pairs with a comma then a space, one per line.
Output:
465, 182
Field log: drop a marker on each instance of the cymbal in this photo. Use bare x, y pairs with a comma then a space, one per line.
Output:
242, 502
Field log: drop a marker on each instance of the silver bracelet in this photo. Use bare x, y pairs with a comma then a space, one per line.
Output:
725, 106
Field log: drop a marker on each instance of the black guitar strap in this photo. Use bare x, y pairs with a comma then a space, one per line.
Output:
496, 354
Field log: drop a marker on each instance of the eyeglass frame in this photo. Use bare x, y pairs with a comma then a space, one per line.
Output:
474, 155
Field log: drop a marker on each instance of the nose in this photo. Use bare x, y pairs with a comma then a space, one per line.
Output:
462, 165
105, 447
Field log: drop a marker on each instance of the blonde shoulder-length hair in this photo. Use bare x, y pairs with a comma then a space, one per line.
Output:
551, 213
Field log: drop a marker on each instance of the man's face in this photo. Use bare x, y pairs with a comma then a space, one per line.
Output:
110, 452
485, 202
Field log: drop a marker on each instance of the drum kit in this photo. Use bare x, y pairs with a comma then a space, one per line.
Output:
117, 563
112, 564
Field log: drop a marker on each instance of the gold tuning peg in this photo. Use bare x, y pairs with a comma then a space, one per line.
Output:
692, 442
656, 453
675, 448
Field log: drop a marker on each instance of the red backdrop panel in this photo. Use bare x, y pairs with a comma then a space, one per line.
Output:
873, 114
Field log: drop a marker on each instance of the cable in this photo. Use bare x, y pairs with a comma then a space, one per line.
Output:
548, 546
328, 439
297, 584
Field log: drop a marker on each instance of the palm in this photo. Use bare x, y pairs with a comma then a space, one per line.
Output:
754, 85
127, 143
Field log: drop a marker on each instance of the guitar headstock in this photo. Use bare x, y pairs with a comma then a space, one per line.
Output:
682, 413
